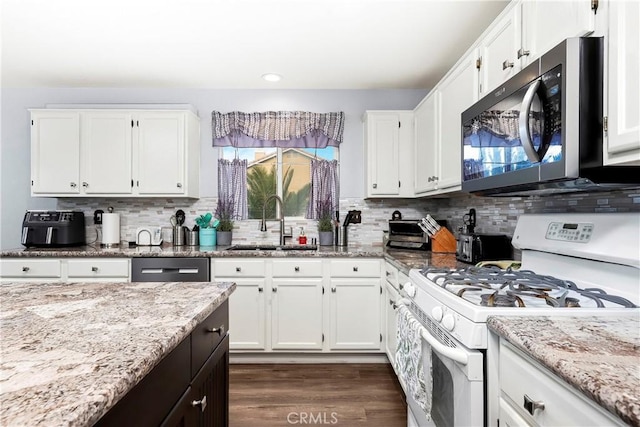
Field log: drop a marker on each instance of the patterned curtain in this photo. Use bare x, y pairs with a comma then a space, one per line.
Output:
232, 185
324, 186
284, 129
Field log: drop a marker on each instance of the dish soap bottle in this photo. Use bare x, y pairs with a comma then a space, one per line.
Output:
302, 239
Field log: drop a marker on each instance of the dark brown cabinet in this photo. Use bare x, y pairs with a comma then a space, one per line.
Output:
189, 387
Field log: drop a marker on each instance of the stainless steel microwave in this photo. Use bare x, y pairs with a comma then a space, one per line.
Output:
541, 131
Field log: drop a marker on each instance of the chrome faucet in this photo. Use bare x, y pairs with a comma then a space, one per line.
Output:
263, 222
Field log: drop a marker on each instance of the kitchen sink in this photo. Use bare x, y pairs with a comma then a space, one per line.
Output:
273, 248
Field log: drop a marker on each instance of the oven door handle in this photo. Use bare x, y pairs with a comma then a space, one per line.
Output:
454, 354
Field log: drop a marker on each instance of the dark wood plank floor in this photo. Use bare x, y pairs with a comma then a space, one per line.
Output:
342, 395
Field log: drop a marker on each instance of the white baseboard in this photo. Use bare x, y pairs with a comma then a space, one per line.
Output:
237, 358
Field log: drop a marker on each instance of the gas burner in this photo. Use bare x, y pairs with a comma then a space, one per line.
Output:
497, 299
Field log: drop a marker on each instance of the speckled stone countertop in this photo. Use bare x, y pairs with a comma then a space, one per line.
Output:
600, 356
402, 259
70, 351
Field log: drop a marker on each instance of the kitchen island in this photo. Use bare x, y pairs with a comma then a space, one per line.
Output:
71, 351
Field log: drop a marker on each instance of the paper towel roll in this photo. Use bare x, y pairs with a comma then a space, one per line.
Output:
110, 229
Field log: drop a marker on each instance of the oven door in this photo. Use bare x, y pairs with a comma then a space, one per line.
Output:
458, 380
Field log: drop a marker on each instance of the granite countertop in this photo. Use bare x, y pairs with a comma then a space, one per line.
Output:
599, 356
70, 351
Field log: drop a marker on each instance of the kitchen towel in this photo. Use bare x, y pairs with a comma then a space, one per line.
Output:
413, 359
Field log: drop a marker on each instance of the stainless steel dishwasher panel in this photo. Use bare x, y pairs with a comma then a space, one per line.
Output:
170, 269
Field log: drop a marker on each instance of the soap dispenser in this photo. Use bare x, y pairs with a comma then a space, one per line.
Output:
302, 239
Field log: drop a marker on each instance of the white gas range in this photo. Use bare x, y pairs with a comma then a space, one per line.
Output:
572, 264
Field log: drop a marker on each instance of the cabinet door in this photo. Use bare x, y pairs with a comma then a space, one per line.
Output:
106, 147
55, 152
623, 99
547, 23
391, 304
426, 140
247, 314
498, 51
457, 93
160, 153
355, 316
296, 316
210, 388
383, 161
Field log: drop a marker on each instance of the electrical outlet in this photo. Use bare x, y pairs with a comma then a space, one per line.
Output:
97, 216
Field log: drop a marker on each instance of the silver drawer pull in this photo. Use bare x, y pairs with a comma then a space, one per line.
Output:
202, 403
333, 290
219, 330
94, 269
388, 273
296, 268
522, 52
531, 405
73, 185
274, 289
506, 64
238, 269
355, 269
25, 269
260, 289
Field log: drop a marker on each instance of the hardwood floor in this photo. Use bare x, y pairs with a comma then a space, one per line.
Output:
342, 395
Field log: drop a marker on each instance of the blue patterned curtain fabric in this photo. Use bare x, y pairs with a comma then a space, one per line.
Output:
232, 185
325, 186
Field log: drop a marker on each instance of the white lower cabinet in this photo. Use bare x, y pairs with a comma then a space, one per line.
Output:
303, 304
391, 305
64, 270
530, 395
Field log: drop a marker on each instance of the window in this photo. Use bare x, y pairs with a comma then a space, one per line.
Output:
282, 171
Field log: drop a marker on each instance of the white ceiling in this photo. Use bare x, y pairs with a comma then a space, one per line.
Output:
229, 44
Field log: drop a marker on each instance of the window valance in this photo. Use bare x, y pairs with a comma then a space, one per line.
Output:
284, 129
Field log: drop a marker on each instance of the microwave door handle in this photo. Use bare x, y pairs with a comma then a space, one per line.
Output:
523, 122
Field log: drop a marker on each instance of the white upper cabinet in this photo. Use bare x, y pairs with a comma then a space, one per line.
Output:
458, 91
106, 159
55, 153
389, 153
111, 153
623, 96
426, 143
547, 23
498, 51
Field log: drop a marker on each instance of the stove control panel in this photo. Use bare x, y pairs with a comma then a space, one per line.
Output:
570, 232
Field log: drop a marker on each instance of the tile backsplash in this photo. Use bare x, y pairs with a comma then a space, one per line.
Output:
494, 214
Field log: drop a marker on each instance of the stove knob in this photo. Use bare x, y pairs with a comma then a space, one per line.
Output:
448, 322
436, 313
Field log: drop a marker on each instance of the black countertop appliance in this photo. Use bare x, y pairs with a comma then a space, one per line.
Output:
49, 229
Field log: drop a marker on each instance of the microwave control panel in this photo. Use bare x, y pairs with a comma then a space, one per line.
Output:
570, 232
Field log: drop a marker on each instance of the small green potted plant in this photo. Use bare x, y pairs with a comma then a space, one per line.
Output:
325, 222
224, 212
207, 230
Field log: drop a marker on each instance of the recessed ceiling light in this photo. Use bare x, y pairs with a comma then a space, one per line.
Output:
272, 77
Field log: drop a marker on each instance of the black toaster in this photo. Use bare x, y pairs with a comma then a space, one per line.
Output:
43, 229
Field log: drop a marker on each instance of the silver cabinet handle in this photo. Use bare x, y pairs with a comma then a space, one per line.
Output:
219, 330
73, 184
333, 289
355, 269
531, 405
375, 185
260, 289
522, 52
388, 273
179, 185
202, 403
238, 269
296, 269
25, 269
390, 302
506, 64
274, 289
94, 269
85, 184
401, 285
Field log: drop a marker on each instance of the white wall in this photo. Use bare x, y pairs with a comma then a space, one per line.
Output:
15, 147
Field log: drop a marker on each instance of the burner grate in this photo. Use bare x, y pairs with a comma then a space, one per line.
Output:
431, 326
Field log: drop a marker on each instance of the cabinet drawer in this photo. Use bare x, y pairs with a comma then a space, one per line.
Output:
355, 268
30, 268
207, 335
391, 274
99, 268
240, 267
297, 268
562, 406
